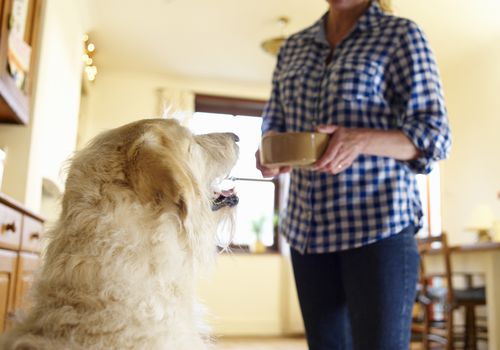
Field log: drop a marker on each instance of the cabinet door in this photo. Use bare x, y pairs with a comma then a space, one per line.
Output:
26, 268
8, 263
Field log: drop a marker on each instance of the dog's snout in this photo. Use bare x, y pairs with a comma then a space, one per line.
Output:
235, 137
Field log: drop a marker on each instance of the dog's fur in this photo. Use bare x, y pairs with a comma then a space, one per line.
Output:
136, 223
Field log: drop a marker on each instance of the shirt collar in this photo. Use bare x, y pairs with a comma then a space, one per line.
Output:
367, 20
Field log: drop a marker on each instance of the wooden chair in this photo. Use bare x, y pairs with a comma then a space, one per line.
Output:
442, 333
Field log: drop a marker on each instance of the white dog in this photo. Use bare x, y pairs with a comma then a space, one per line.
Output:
138, 219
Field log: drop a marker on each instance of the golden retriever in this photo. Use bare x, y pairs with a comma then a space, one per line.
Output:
138, 219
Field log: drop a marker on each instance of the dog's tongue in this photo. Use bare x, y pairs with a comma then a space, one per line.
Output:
227, 193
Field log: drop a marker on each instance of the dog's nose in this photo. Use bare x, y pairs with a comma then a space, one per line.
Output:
235, 137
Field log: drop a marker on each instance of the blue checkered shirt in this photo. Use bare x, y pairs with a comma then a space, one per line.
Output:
382, 76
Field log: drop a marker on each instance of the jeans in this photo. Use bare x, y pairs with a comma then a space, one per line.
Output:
361, 298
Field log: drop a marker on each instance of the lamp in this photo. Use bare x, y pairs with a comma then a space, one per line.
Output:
273, 45
481, 221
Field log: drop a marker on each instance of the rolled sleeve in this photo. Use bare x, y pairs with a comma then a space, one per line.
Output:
272, 116
419, 95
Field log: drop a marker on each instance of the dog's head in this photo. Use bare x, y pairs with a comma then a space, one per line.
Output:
161, 163
168, 164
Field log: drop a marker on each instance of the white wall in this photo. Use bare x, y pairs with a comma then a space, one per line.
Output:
119, 96
251, 295
465, 37
472, 175
39, 149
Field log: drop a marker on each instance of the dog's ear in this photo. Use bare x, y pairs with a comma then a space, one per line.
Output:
159, 173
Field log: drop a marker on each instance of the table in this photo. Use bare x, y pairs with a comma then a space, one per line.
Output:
481, 258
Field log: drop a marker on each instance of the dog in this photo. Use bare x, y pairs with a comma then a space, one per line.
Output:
138, 222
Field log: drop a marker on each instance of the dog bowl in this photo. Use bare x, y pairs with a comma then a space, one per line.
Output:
300, 149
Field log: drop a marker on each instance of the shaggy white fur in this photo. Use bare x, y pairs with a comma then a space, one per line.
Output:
136, 225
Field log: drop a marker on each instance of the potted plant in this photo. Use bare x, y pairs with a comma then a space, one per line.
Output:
257, 228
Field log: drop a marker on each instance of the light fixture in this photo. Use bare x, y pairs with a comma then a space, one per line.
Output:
89, 51
481, 221
273, 45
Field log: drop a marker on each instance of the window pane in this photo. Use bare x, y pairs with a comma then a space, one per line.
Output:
248, 130
255, 210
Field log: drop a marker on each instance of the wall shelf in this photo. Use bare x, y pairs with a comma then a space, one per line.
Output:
18, 32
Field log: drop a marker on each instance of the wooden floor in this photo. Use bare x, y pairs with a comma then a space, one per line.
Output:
225, 343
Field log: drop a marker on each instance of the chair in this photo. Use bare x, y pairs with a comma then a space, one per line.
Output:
442, 332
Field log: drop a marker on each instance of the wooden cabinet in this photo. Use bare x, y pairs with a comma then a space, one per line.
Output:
19, 22
20, 243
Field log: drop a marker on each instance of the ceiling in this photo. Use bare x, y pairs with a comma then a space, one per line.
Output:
220, 39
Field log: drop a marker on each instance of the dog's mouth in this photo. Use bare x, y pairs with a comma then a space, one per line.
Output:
225, 196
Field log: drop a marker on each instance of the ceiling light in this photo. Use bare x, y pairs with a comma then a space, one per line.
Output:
273, 45
89, 51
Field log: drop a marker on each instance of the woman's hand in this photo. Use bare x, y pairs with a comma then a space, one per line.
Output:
269, 172
345, 145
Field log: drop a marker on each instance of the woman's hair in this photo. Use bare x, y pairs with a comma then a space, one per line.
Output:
385, 5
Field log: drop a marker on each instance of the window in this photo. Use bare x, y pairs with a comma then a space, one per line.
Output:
430, 196
255, 213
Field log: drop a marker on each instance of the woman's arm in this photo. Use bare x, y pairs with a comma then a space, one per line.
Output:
346, 144
421, 135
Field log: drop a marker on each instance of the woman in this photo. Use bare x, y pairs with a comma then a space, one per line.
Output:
370, 80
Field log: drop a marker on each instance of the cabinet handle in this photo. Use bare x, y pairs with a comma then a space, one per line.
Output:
9, 227
34, 235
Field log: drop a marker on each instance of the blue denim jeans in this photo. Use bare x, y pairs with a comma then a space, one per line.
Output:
359, 299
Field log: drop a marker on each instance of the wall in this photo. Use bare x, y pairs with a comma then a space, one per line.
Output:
465, 36
118, 97
268, 310
472, 174
39, 149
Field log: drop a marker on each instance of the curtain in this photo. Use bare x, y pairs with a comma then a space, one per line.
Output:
176, 103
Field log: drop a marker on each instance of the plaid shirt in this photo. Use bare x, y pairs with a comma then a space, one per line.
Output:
382, 76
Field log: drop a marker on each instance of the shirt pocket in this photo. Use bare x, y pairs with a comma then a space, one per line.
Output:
356, 80
291, 83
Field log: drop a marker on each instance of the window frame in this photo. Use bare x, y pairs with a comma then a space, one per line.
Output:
251, 108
